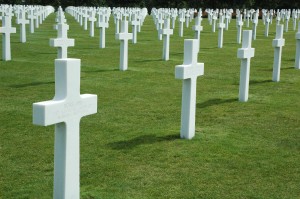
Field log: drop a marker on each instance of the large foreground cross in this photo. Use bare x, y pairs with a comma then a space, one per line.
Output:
188, 72
65, 111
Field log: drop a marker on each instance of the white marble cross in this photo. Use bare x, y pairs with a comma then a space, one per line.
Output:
6, 30
188, 72
160, 23
214, 19
22, 21
254, 25
297, 58
124, 36
31, 18
135, 23
37, 18
245, 54
187, 19
294, 20
278, 43
287, 19
173, 16
65, 111
117, 23
221, 31
92, 20
62, 41
240, 24
267, 24
198, 28
102, 24
166, 32
181, 21
85, 17
227, 19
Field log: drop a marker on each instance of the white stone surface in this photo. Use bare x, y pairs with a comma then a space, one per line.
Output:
31, 18
278, 43
124, 36
198, 28
254, 25
135, 24
6, 30
221, 27
214, 19
92, 20
22, 21
267, 24
188, 72
240, 24
62, 41
102, 24
245, 54
181, 21
297, 57
166, 32
65, 111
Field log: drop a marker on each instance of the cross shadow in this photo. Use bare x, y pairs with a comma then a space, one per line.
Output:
217, 101
100, 70
288, 68
142, 140
149, 60
31, 84
252, 82
260, 81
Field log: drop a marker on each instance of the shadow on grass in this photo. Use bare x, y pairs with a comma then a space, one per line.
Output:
149, 60
100, 70
288, 68
259, 82
30, 84
252, 82
141, 140
213, 102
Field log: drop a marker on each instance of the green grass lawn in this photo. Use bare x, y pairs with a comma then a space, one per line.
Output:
131, 147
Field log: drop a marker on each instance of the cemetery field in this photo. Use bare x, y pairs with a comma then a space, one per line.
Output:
132, 148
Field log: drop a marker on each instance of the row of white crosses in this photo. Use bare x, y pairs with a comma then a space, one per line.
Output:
7, 29
62, 42
246, 53
184, 17
65, 110
162, 18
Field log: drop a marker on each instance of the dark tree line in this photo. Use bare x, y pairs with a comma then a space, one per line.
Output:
268, 4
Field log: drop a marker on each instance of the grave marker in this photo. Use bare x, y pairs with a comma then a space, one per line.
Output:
22, 21
254, 25
278, 43
135, 23
102, 24
65, 111
267, 24
221, 30
166, 32
62, 41
240, 24
188, 72
245, 54
198, 28
31, 18
6, 30
92, 20
124, 36
297, 59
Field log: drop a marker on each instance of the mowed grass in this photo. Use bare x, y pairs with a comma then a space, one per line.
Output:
131, 148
